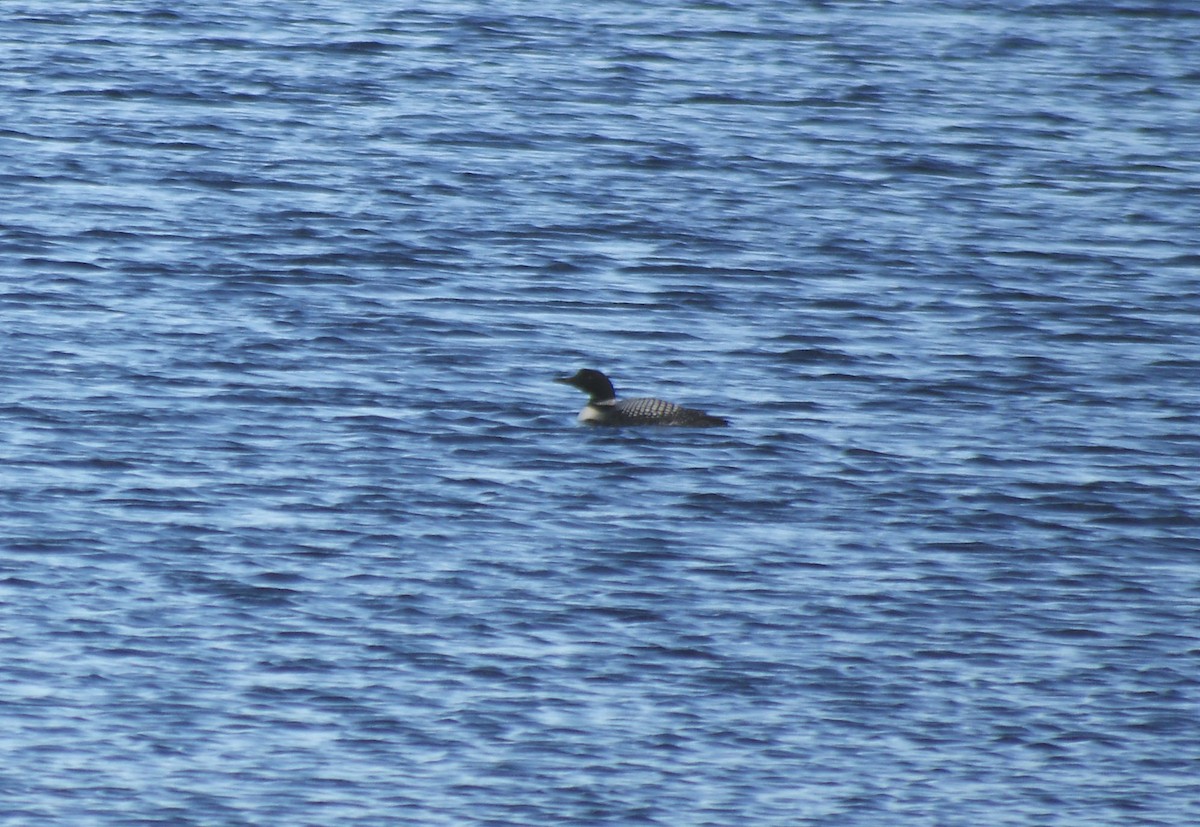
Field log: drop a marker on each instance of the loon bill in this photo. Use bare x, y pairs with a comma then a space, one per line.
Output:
603, 407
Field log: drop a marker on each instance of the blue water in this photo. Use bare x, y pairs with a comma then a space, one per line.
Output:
297, 530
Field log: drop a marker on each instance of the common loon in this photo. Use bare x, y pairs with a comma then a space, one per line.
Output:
603, 408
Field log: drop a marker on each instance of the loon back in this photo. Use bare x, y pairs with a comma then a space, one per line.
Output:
604, 408
646, 410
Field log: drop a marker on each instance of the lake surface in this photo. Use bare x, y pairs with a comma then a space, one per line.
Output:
296, 528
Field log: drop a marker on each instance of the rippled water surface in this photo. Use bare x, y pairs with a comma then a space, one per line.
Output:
297, 530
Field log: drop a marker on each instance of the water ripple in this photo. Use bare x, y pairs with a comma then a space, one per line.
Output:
297, 529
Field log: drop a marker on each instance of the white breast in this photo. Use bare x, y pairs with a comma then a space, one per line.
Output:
590, 413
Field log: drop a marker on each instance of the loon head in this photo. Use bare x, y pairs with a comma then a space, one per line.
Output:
592, 382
